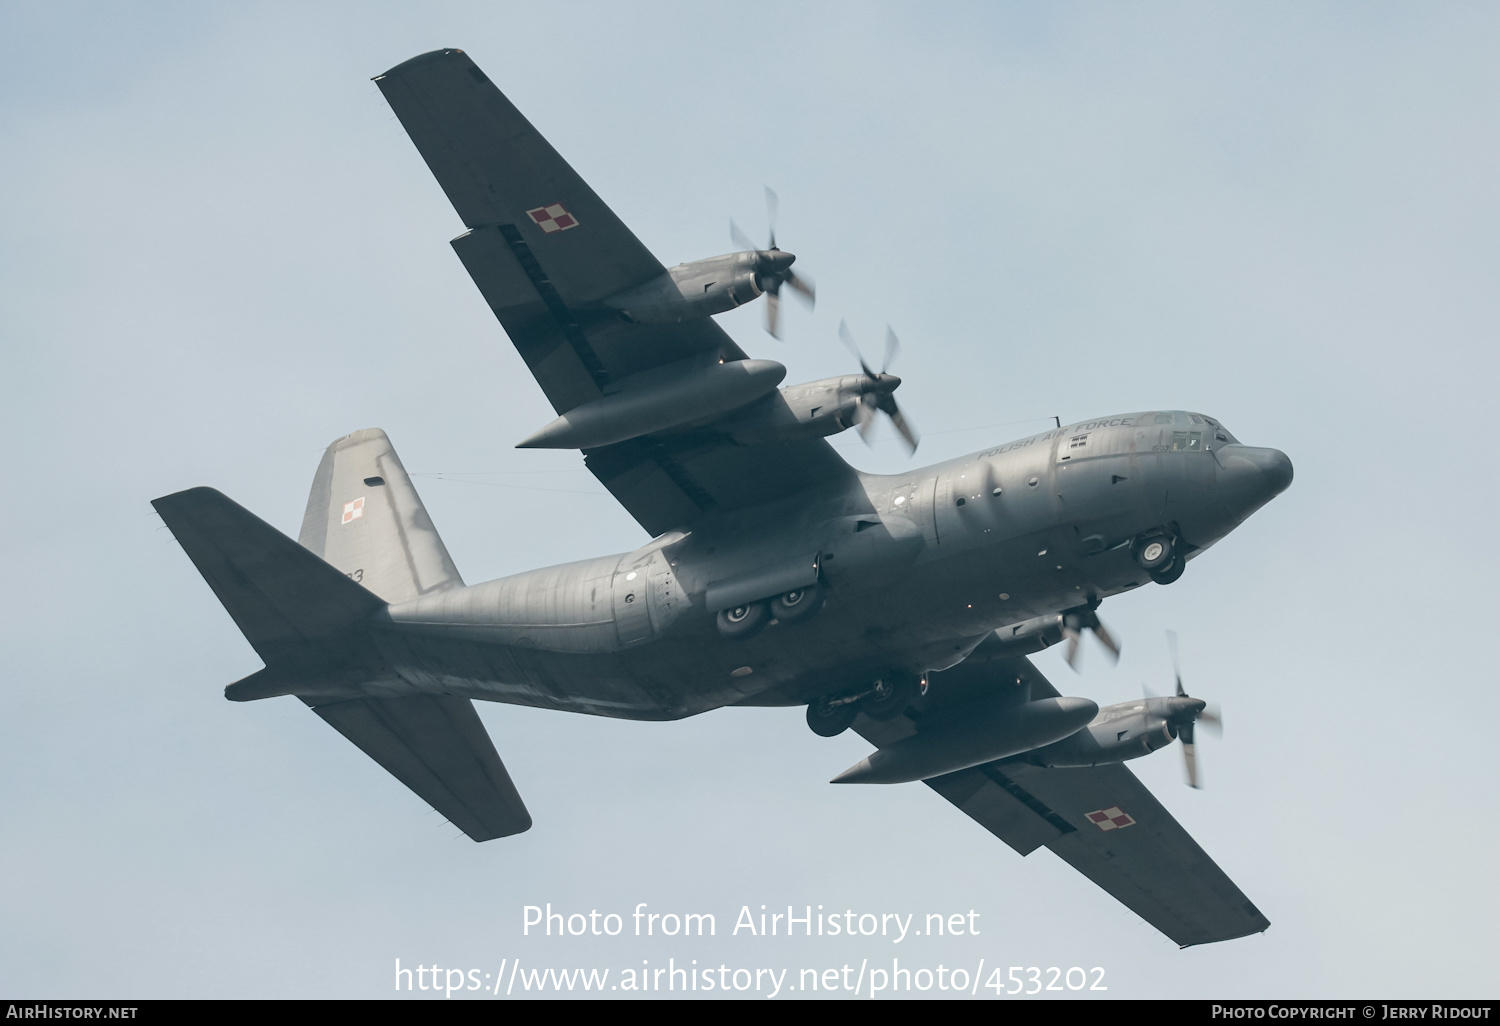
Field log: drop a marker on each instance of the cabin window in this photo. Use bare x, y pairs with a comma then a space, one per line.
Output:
1075, 444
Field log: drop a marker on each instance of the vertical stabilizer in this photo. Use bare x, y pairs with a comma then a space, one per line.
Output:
365, 518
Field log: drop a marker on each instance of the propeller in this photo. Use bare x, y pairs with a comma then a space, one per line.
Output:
1075, 622
1186, 712
876, 390
773, 268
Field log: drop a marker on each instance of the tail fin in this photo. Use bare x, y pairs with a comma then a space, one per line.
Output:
281, 596
365, 518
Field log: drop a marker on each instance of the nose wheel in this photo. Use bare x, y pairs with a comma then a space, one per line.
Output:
1154, 552
1170, 572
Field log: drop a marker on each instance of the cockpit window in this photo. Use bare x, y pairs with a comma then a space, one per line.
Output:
1211, 433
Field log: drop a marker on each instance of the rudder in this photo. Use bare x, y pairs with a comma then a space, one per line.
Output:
364, 517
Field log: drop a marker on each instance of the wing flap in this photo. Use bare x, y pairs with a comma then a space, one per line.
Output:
988, 803
536, 330
437, 746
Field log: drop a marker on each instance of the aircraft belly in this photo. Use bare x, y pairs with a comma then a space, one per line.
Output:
623, 636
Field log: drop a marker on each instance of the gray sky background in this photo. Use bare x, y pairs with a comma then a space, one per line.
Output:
219, 251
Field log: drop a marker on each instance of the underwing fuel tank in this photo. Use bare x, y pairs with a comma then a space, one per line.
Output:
971, 741
659, 401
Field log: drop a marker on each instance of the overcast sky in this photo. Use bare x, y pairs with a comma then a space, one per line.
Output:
219, 251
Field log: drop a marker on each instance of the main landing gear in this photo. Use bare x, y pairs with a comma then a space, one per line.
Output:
1158, 555
885, 699
830, 717
743, 622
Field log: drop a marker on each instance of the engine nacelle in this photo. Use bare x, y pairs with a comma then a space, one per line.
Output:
812, 410
688, 291
1026, 637
1128, 730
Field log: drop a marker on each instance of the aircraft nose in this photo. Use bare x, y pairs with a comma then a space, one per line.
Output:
1265, 473
1274, 467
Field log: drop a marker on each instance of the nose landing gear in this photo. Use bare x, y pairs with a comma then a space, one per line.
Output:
1170, 573
1158, 555
1153, 551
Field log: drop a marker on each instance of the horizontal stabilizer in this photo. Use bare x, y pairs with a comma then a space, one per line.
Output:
436, 745
280, 595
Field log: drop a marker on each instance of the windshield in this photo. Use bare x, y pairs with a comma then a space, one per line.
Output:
1194, 430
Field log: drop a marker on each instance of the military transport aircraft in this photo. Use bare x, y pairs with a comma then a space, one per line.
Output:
902, 605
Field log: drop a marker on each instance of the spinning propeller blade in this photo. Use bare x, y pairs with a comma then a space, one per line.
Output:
773, 268
877, 390
1189, 714
1075, 622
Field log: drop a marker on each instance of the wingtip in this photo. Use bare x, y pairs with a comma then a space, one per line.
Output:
421, 58
187, 495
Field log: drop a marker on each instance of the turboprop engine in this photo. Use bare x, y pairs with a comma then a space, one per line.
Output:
1128, 730
1132, 729
697, 289
811, 410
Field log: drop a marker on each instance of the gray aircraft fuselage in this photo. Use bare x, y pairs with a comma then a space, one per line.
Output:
919, 568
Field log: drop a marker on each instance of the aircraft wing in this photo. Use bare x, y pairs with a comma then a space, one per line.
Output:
1102, 821
544, 250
